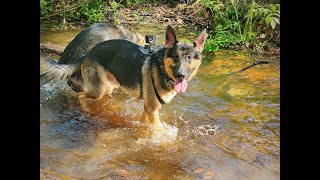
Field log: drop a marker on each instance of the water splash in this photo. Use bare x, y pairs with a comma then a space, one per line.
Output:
165, 135
51, 89
207, 130
202, 130
56, 86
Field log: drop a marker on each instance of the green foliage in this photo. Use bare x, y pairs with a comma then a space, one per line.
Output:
70, 11
272, 15
184, 40
113, 11
242, 23
222, 38
132, 3
136, 16
140, 1
253, 24
45, 7
92, 10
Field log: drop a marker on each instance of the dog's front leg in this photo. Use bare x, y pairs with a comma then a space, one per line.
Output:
155, 119
144, 117
151, 115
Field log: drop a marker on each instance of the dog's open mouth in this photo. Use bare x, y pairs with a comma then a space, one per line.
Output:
180, 86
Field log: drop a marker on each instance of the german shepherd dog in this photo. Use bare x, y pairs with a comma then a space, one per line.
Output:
83, 42
155, 77
93, 35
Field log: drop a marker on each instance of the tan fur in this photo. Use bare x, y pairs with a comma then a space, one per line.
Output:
195, 64
130, 92
133, 36
107, 82
151, 103
167, 96
167, 63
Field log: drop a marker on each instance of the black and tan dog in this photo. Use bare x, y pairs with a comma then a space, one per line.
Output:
83, 42
155, 77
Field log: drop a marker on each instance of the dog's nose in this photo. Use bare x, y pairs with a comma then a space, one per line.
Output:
180, 76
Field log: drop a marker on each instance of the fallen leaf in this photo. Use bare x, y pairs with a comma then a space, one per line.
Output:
130, 19
210, 173
199, 170
179, 20
262, 36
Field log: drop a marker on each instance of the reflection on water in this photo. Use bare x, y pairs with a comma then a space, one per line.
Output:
223, 127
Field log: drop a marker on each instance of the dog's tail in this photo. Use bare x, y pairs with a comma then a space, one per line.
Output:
52, 71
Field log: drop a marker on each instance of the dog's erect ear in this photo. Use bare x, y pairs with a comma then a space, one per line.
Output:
170, 37
199, 43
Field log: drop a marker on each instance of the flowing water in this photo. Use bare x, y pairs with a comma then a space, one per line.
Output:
223, 127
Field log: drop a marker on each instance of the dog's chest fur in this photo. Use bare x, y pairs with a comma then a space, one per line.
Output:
167, 96
150, 71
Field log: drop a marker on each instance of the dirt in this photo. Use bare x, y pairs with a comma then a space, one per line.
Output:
159, 14
180, 15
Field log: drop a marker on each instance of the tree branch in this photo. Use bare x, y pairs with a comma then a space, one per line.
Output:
50, 48
250, 66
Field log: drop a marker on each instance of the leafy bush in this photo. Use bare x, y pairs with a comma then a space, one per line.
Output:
92, 10
243, 23
253, 24
69, 11
45, 7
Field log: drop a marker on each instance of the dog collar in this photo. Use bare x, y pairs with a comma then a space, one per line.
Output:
157, 93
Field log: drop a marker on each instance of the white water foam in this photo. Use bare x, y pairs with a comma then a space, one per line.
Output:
166, 134
207, 130
202, 130
53, 88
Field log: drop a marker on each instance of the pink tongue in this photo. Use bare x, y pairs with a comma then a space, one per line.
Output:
180, 86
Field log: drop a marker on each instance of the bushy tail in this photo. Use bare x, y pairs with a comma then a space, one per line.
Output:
51, 70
